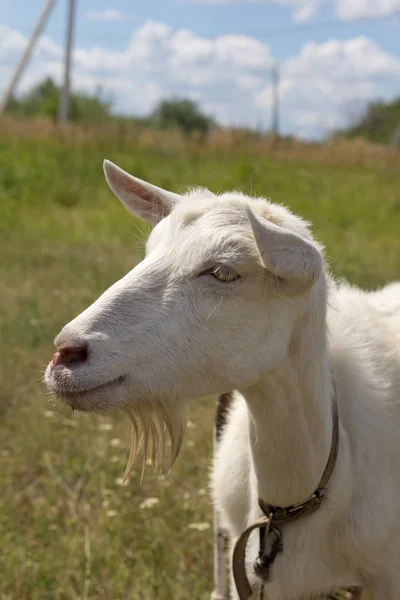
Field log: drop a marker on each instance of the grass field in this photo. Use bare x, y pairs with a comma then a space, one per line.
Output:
68, 528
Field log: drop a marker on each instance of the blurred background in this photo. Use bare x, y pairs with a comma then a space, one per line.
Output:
298, 101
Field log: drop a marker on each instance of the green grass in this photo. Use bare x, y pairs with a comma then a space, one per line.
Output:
68, 528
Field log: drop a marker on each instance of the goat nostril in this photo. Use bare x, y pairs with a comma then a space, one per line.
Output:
68, 355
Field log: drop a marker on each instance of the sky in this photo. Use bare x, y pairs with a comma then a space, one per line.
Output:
334, 56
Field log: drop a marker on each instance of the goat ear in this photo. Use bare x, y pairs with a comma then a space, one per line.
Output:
143, 199
295, 261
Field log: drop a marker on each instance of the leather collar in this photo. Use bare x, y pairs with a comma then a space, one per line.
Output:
276, 516
281, 516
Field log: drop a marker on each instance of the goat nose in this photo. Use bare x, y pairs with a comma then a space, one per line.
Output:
68, 355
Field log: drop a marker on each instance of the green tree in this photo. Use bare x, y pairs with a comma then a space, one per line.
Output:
182, 114
43, 99
378, 123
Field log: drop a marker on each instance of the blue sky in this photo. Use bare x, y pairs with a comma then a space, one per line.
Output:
334, 55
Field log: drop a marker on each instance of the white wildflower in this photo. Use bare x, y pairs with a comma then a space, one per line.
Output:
120, 481
149, 503
105, 426
199, 526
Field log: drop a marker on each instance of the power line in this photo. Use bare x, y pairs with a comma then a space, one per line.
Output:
284, 30
337, 79
303, 27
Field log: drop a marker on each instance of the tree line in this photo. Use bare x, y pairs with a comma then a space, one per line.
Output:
43, 99
379, 122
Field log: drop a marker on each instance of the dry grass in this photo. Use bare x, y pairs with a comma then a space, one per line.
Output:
69, 529
222, 141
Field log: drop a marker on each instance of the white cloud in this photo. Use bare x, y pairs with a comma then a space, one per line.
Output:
304, 13
355, 9
13, 43
108, 14
357, 58
323, 84
302, 10
229, 75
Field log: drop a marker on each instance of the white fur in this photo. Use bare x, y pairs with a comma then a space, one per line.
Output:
175, 334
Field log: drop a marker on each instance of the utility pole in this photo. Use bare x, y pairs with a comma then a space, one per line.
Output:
395, 141
63, 108
25, 57
275, 81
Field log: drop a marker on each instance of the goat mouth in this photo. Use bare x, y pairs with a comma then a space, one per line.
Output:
69, 393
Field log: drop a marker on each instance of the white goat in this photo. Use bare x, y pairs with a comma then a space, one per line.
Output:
233, 294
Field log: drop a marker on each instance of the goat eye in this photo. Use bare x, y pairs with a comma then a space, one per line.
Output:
222, 273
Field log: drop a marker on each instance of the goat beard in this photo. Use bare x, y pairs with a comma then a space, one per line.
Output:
152, 426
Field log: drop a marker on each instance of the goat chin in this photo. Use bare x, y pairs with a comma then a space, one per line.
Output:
153, 427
